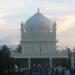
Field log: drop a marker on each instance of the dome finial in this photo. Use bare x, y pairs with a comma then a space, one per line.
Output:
38, 10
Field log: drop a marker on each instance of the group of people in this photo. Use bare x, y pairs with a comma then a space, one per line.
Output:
51, 71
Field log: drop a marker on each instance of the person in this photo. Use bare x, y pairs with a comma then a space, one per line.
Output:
49, 71
74, 71
35, 72
15, 68
46, 72
41, 71
63, 71
56, 72
52, 71
29, 71
67, 71
60, 70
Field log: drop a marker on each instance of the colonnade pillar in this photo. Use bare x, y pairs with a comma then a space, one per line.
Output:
72, 62
50, 60
29, 60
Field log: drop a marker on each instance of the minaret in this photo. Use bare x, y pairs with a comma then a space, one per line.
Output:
54, 28
22, 30
38, 10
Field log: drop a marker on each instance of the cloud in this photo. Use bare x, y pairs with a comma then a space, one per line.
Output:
65, 22
67, 37
16, 37
12, 12
65, 30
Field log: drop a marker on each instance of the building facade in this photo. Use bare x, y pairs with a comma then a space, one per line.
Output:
38, 43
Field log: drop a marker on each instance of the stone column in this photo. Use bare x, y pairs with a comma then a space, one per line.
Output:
72, 62
29, 63
50, 62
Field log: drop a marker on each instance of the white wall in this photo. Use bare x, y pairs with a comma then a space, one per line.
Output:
38, 49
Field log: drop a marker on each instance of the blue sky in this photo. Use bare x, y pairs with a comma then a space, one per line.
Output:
12, 12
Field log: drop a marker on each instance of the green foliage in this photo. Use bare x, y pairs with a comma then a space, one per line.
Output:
4, 58
5, 50
19, 48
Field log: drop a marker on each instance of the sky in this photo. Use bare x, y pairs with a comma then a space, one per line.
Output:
13, 12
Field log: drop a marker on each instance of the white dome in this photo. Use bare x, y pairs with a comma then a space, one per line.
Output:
38, 22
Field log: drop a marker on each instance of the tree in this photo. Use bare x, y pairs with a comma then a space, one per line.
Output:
5, 59
19, 48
